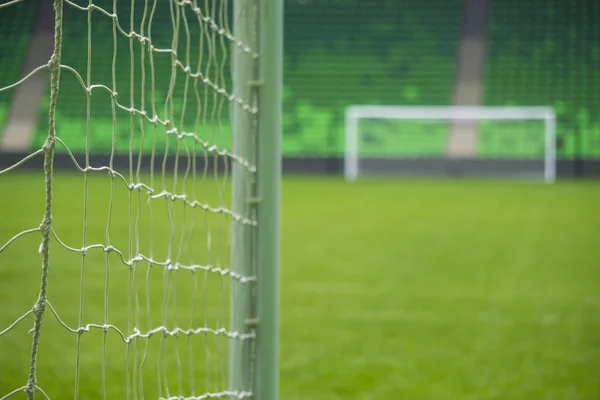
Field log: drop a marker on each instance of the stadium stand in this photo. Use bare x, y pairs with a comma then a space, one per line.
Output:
337, 53
355, 52
547, 52
395, 58
15, 29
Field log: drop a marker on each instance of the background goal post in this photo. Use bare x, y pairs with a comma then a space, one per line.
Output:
392, 140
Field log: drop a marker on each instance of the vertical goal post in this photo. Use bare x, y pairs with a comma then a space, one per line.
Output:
446, 114
261, 80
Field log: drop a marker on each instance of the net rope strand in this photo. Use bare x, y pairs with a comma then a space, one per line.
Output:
132, 377
46, 226
206, 84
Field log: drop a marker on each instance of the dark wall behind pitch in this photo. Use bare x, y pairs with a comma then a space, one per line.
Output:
319, 165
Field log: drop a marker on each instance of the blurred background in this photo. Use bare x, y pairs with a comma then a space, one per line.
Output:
340, 53
420, 288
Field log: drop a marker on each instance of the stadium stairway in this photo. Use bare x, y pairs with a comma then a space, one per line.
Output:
468, 88
16, 22
23, 112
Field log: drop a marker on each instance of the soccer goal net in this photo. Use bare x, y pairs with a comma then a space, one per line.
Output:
139, 243
517, 142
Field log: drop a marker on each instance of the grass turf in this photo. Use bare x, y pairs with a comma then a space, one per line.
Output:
417, 289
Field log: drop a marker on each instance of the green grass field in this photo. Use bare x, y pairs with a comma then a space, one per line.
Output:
391, 289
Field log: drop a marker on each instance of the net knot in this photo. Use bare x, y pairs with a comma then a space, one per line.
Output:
109, 249
175, 197
136, 333
49, 144
38, 307
172, 267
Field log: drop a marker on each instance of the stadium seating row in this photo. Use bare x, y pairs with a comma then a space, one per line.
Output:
539, 52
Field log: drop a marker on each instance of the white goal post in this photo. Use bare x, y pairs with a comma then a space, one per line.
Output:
454, 123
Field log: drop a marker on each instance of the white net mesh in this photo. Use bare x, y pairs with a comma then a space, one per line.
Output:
135, 301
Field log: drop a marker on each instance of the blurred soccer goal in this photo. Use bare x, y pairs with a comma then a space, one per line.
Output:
512, 142
169, 112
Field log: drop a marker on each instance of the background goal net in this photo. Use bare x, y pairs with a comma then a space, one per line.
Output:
515, 142
155, 214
